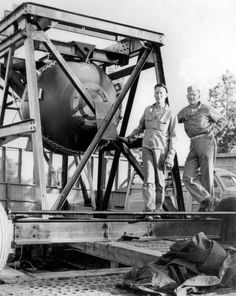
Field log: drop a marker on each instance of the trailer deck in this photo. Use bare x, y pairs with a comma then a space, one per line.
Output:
103, 282
94, 282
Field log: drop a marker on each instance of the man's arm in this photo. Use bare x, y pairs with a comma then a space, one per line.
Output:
219, 120
181, 117
172, 141
140, 128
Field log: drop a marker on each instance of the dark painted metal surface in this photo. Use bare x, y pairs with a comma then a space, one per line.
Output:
66, 119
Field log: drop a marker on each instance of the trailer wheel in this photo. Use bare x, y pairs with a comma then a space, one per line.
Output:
4, 238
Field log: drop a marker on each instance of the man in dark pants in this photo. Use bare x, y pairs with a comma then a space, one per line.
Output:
201, 123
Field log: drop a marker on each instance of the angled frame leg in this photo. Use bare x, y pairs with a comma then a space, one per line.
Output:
35, 114
124, 125
6, 84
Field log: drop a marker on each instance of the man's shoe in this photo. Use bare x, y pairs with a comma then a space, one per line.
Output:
151, 218
143, 216
204, 205
148, 210
156, 216
208, 204
212, 204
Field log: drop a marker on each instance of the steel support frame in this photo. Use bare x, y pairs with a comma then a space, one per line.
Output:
61, 231
43, 18
60, 201
32, 126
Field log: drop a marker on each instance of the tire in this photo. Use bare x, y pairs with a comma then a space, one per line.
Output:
4, 238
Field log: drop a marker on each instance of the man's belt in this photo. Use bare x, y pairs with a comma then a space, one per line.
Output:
198, 136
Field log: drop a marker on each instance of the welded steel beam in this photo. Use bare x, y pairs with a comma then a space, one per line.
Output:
17, 128
34, 113
17, 39
113, 171
81, 31
132, 160
123, 128
64, 170
40, 12
12, 18
160, 77
97, 55
6, 84
101, 178
42, 231
130, 102
127, 71
87, 200
211, 215
92, 23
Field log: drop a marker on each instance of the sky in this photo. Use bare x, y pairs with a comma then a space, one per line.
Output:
200, 43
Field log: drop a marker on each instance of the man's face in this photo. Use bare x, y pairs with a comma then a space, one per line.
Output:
160, 95
193, 96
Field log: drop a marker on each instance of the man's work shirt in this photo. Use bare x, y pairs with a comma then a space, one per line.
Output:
201, 120
159, 126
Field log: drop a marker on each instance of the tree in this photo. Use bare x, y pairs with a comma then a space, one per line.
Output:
223, 98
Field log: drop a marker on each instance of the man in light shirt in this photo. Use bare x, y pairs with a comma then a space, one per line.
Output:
159, 126
201, 123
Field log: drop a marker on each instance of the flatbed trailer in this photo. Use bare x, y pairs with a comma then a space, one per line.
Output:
100, 233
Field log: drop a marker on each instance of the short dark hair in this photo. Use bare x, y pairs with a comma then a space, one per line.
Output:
192, 88
161, 85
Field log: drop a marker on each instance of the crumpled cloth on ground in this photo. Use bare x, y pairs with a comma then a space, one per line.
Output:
189, 266
148, 277
199, 255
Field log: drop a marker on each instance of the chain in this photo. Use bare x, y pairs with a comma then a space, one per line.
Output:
55, 146
63, 150
47, 66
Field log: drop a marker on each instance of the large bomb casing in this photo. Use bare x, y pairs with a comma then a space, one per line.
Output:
66, 119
